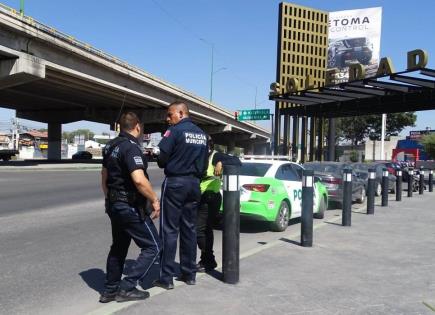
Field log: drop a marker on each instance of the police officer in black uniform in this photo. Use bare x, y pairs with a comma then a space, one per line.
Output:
126, 188
183, 155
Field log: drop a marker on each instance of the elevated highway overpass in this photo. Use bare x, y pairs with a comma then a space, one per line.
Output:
50, 77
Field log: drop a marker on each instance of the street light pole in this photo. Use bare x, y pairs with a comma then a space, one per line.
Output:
211, 73
22, 7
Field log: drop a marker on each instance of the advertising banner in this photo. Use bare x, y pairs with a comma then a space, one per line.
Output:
354, 36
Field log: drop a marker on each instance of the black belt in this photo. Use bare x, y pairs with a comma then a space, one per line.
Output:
129, 197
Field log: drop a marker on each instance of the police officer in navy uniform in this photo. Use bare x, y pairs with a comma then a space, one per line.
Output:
183, 155
126, 188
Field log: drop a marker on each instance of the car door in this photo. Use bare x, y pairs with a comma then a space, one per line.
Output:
293, 186
299, 169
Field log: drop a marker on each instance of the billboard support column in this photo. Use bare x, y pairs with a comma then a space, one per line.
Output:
331, 139
304, 139
295, 141
277, 129
320, 139
286, 134
312, 138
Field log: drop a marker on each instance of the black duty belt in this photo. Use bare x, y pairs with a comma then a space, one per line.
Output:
129, 197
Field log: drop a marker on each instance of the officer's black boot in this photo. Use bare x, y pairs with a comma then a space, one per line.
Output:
108, 296
131, 295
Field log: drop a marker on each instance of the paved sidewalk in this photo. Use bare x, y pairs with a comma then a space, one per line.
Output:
383, 264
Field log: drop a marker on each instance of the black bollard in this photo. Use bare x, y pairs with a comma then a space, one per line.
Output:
384, 188
347, 197
421, 183
371, 191
430, 180
410, 182
307, 208
231, 224
398, 185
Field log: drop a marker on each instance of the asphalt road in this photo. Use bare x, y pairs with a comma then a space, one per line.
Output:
55, 238
29, 190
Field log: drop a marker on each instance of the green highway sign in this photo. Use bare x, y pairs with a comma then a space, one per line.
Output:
253, 114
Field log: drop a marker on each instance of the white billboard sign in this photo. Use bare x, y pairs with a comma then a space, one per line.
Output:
354, 36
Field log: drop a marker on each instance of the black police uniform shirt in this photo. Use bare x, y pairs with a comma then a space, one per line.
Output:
186, 147
121, 160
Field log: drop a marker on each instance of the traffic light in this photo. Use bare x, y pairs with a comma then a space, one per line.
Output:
236, 115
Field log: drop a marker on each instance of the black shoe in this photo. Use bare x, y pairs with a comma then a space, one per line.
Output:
166, 286
108, 296
186, 280
201, 267
131, 295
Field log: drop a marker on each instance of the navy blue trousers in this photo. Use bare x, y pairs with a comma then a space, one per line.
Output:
180, 199
127, 225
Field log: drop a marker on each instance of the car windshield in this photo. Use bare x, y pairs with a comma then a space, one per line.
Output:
356, 42
254, 169
324, 168
363, 175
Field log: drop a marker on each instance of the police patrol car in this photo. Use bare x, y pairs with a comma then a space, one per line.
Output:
271, 190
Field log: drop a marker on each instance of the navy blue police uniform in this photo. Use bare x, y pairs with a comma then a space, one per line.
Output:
185, 147
125, 205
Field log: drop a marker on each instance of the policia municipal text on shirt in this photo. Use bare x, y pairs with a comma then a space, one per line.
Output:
183, 155
126, 187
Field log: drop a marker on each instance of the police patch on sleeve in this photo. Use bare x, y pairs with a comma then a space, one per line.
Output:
138, 160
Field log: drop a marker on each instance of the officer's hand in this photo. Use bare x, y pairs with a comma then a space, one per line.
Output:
218, 169
156, 209
106, 204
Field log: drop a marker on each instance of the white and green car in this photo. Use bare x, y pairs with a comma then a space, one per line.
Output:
271, 190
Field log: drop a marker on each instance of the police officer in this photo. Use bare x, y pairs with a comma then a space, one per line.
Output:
183, 155
211, 200
126, 187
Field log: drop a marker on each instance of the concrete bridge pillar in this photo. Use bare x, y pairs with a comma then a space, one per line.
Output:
54, 141
249, 148
231, 146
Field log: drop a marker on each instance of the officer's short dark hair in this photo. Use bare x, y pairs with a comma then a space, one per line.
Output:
181, 104
128, 121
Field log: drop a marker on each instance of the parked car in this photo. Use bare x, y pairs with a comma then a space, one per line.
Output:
271, 191
331, 175
362, 171
341, 51
82, 155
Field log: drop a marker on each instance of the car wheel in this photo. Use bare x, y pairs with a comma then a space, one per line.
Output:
362, 196
378, 190
282, 217
322, 209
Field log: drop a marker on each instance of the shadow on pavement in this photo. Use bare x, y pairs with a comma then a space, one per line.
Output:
94, 278
333, 223
290, 241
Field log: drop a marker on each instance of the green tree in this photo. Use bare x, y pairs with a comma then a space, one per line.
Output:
428, 142
356, 129
70, 135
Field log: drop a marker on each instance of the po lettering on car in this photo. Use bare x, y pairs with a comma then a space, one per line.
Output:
297, 194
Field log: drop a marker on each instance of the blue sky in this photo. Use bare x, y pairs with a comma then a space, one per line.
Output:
164, 38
